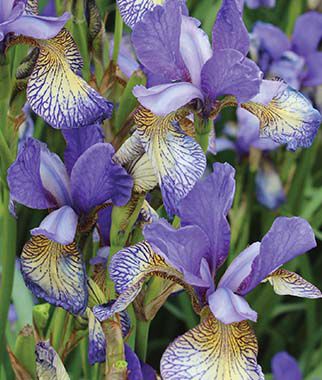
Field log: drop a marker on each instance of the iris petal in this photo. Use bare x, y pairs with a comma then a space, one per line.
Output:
289, 118
177, 159
96, 340
289, 283
55, 272
48, 363
132, 11
55, 91
213, 350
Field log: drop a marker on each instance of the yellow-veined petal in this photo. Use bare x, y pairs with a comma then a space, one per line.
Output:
289, 118
96, 339
177, 159
48, 364
55, 272
285, 283
55, 90
213, 350
132, 11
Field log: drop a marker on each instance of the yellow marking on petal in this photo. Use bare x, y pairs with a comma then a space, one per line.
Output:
57, 93
55, 272
148, 213
143, 174
288, 118
48, 364
177, 159
285, 282
213, 350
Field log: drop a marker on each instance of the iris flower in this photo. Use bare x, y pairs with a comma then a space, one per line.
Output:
269, 188
223, 345
260, 3
285, 367
51, 262
296, 60
55, 89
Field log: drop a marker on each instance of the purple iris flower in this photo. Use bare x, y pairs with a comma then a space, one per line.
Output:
181, 64
89, 178
296, 60
269, 188
136, 369
260, 3
16, 16
285, 367
206, 231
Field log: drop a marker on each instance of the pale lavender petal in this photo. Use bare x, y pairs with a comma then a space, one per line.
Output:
54, 176
207, 206
15, 13
78, 140
194, 47
272, 39
307, 33
166, 98
229, 31
96, 178
239, 268
183, 248
285, 367
24, 178
101, 256
156, 40
228, 72
229, 307
5, 9
268, 90
59, 226
269, 188
40, 27
313, 76
287, 239
289, 67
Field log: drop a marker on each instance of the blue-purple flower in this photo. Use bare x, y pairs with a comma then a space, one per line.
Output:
181, 64
51, 262
285, 367
260, 3
296, 60
191, 256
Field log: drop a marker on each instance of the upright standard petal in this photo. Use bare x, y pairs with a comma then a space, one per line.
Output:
272, 40
229, 31
213, 350
207, 206
287, 238
39, 27
313, 75
183, 248
59, 226
195, 48
156, 40
307, 33
55, 272
96, 178
55, 91
133, 11
96, 340
78, 140
289, 283
229, 72
285, 367
177, 158
166, 98
24, 179
5, 9
289, 118
48, 363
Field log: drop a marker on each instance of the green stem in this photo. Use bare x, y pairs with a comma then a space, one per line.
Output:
202, 132
8, 252
117, 35
141, 341
57, 328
